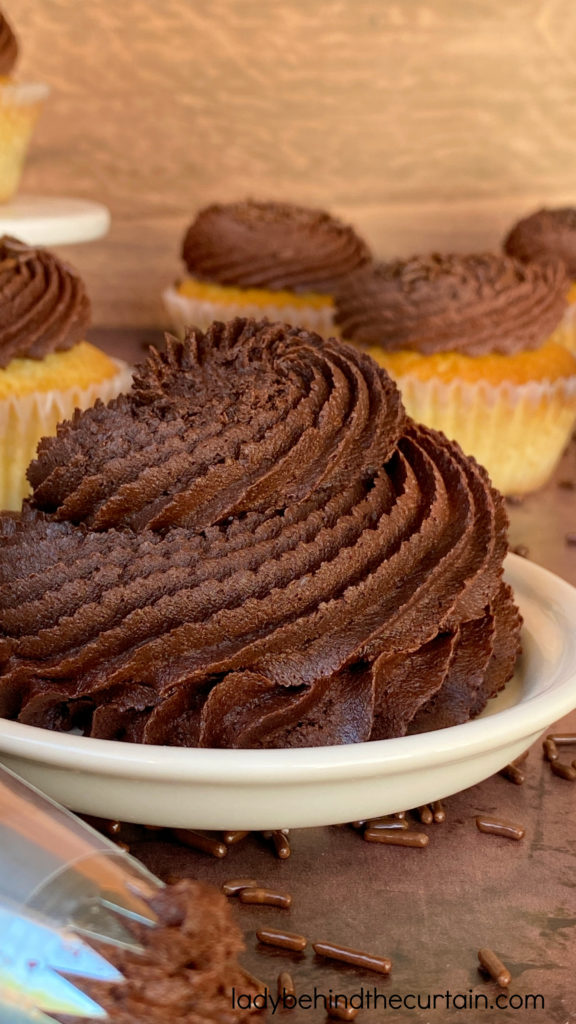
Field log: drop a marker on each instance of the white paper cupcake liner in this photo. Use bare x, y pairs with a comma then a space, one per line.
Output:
25, 419
517, 431
185, 312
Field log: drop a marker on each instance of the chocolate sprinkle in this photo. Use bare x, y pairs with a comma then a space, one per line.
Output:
199, 841
513, 773
280, 842
284, 940
265, 897
344, 954
286, 984
339, 1010
389, 838
563, 771
387, 824
496, 827
426, 815
234, 886
494, 967
438, 811
550, 749
233, 837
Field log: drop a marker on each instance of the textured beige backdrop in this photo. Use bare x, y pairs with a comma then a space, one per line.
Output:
428, 124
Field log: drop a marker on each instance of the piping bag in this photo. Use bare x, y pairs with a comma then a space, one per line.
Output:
61, 883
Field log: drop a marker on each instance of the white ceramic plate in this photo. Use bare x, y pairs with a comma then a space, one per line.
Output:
258, 789
49, 220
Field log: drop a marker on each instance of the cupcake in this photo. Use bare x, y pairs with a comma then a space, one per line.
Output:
263, 259
468, 341
262, 550
20, 104
47, 369
545, 235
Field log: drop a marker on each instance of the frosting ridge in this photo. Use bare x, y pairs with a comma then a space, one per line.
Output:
43, 303
260, 550
475, 304
272, 245
544, 235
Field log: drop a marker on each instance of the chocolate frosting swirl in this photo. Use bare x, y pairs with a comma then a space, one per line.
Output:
272, 245
545, 235
474, 304
8, 47
254, 548
43, 303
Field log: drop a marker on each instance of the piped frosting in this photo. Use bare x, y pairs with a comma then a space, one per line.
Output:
44, 307
270, 245
545, 235
254, 548
475, 304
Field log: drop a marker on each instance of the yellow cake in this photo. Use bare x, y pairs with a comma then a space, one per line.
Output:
20, 104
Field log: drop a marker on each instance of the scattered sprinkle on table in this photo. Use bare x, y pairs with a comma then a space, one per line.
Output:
345, 955
234, 886
283, 940
265, 897
199, 841
497, 827
387, 837
494, 967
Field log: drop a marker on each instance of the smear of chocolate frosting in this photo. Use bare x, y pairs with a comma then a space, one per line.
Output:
475, 304
545, 235
8, 47
254, 548
272, 245
43, 303
187, 970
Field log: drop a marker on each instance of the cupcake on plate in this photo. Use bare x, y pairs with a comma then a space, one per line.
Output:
20, 104
262, 550
545, 235
47, 368
263, 259
468, 341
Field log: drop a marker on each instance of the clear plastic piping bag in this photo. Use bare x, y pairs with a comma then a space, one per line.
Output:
56, 864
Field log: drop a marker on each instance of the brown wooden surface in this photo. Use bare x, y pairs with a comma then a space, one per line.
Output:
427, 123
429, 910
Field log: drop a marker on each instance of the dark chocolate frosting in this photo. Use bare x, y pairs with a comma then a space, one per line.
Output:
8, 47
254, 548
187, 970
545, 235
272, 245
475, 304
43, 303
